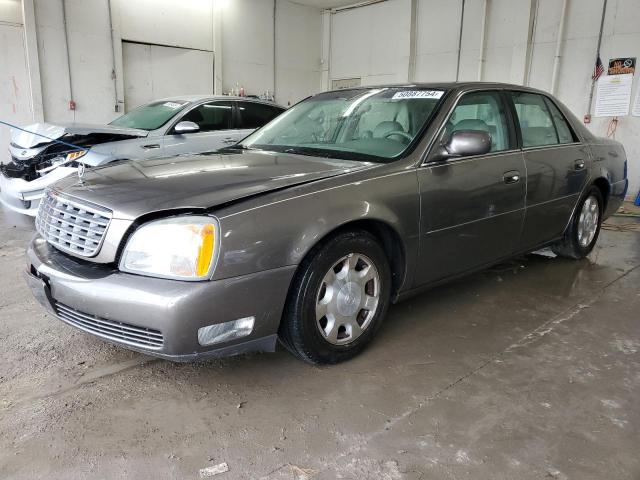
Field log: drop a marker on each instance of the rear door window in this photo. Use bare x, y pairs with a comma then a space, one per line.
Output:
211, 116
534, 118
254, 115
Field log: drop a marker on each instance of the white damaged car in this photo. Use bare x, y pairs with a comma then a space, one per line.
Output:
42, 154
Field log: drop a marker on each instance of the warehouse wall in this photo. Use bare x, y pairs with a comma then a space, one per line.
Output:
373, 43
298, 51
248, 43
93, 76
89, 73
94, 59
15, 105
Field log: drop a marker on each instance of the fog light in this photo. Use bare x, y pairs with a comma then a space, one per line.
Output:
224, 332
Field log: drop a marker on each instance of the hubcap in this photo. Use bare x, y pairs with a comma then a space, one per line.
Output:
588, 221
347, 299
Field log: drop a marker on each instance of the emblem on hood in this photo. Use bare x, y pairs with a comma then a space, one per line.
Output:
81, 170
23, 153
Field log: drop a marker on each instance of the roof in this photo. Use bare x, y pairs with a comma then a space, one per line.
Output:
204, 98
449, 85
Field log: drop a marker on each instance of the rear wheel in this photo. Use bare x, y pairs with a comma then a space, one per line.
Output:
584, 228
338, 299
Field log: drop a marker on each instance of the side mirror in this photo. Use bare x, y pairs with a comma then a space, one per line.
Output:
186, 127
463, 143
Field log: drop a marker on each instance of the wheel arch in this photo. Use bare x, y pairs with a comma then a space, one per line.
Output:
389, 238
605, 189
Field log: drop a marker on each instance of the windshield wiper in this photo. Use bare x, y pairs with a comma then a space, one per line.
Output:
237, 146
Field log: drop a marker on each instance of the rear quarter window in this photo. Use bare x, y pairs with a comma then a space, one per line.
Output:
565, 133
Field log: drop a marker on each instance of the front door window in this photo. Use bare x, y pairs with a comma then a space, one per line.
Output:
482, 111
211, 116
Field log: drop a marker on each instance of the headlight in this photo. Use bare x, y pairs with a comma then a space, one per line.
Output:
75, 155
182, 248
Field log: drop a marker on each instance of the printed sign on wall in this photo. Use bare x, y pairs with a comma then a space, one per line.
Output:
621, 66
342, 83
614, 95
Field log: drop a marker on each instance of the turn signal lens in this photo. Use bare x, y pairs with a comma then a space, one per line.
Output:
205, 255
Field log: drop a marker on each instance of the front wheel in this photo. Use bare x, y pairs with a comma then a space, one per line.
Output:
584, 228
338, 299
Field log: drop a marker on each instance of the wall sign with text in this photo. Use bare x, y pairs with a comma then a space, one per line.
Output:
622, 66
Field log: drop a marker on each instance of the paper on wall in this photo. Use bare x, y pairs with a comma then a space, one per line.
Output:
614, 95
636, 105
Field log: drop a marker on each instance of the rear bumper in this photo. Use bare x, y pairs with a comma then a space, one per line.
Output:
616, 197
156, 316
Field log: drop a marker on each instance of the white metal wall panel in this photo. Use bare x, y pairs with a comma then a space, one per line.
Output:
153, 71
15, 103
372, 42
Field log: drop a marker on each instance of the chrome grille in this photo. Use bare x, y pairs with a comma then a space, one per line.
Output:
71, 226
111, 329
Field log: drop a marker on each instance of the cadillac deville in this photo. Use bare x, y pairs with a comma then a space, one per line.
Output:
308, 229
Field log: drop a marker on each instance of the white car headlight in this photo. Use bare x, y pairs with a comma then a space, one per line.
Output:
75, 155
182, 248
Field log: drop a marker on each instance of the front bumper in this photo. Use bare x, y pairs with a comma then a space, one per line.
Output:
151, 308
23, 197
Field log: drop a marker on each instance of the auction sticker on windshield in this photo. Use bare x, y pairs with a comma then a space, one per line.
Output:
418, 94
173, 105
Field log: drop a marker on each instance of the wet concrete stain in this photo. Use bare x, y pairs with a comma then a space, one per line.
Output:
528, 370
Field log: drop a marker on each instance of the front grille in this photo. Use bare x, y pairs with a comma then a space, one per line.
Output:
111, 329
70, 226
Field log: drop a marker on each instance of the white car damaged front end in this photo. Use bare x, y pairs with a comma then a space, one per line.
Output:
22, 196
42, 154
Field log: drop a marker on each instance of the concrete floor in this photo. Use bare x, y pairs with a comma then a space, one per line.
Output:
530, 370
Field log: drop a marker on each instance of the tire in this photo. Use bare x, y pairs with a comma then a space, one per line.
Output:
351, 319
577, 244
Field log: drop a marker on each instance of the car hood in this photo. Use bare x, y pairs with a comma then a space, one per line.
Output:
43, 133
136, 187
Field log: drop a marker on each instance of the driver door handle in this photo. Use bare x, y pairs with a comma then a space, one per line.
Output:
151, 146
512, 176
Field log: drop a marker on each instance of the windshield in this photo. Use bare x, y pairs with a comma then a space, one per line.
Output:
150, 116
361, 124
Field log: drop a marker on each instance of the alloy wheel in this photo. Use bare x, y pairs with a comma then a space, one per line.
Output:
588, 221
347, 299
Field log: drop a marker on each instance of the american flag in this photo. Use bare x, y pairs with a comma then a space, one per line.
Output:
597, 70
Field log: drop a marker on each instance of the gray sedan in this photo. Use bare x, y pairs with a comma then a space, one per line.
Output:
308, 229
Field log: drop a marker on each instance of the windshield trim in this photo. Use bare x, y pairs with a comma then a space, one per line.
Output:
341, 154
316, 152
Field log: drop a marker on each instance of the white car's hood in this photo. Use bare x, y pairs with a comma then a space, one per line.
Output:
42, 133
